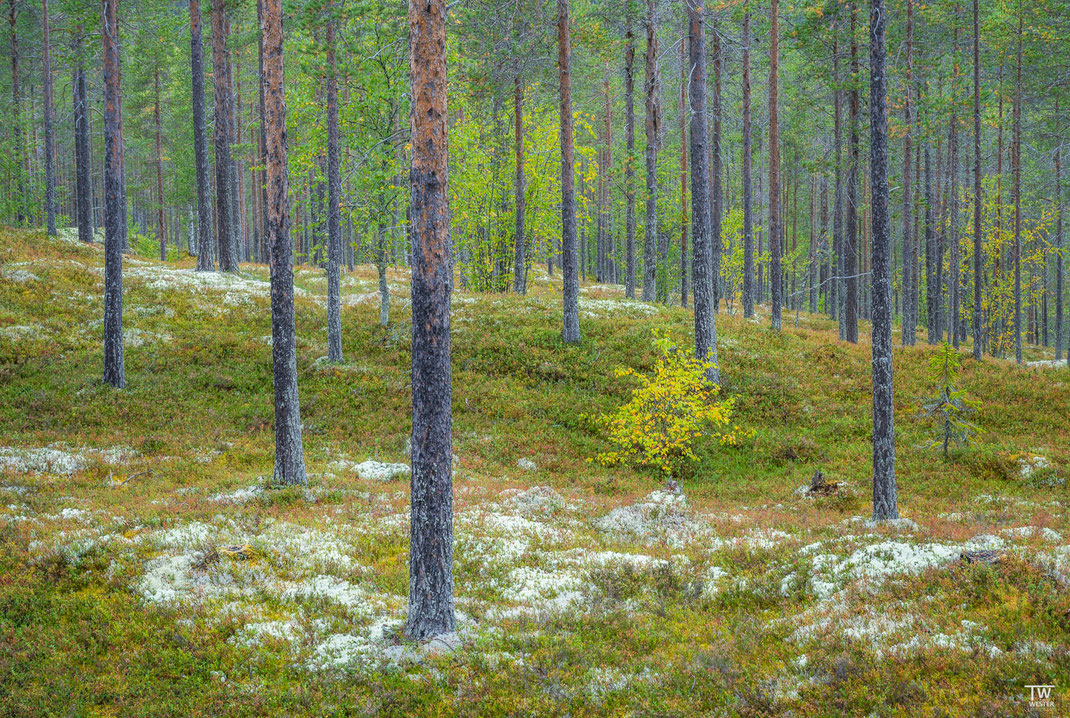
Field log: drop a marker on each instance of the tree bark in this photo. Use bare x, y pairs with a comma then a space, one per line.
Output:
716, 193
850, 248
775, 279
683, 171
705, 324
748, 221
835, 301
1059, 337
978, 331
334, 200
205, 252
50, 152
21, 156
519, 260
289, 451
224, 216
1017, 160
431, 533
570, 259
160, 225
83, 181
885, 502
653, 131
629, 163
114, 199
910, 322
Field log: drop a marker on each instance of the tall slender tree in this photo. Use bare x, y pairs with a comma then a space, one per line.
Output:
205, 252
431, 534
50, 151
653, 135
228, 262
716, 170
909, 320
334, 201
885, 501
748, 221
978, 330
289, 451
83, 183
519, 259
1059, 337
161, 234
629, 160
114, 200
1016, 160
701, 264
683, 170
570, 269
850, 240
775, 280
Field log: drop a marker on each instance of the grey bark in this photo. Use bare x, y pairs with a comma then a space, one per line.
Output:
629, 164
716, 193
205, 254
775, 233
978, 331
223, 179
334, 209
653, 133
570, 255
748, 219
50, 171
885, 500
910, 322
82, 159
519, 260
705, 323
114, 199
850, 240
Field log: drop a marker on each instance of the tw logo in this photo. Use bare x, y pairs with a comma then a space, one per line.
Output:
1040, 695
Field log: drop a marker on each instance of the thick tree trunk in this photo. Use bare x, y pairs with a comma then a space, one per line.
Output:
205, 251
885, 502
716, 193
653, 133
570, 259
334, 201
431, 533
83, 172
114, 199
262, 183
289, 452
775, 278
705, 326
629, 162
519, 259
223, 179
50, 171
160, 225
748, 219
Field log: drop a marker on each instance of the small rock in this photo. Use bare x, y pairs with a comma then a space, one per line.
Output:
441, 644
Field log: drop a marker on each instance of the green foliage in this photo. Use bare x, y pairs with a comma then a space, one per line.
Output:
667, 412
949, 407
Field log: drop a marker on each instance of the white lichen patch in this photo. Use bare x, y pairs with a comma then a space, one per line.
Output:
135, 337
603, 308
379, 471
660, 517
238, 496
59, 459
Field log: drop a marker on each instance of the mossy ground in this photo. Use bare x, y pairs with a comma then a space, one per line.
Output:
578, 600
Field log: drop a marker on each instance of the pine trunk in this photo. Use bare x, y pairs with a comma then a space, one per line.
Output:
289, 452
652, 126
748, 219
570, 259
705, 326
223, 179
629, 163
114, 199
334, 209
50, 152
431, 533
519, 260
205, 252
776, 283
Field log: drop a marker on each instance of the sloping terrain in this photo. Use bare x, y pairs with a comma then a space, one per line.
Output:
146, 568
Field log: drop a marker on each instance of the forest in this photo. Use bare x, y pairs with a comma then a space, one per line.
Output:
534, 357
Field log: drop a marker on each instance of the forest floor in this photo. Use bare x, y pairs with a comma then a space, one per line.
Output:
147, 569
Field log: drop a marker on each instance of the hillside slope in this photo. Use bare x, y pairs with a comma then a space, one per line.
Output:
145, 568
